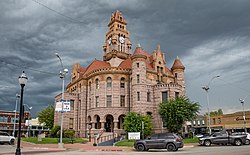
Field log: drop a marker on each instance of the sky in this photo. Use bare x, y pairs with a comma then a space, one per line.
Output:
212, 38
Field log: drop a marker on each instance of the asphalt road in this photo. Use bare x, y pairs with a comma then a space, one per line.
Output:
197, 150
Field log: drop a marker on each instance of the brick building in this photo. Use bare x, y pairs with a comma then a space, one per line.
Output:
102, 93
7, 120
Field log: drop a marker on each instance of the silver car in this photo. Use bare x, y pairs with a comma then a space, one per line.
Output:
6, 138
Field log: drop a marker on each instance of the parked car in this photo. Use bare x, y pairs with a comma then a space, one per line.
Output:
244, 133
223, 138
169, 141
6, 138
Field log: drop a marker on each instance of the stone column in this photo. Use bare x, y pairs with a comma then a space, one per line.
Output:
115, 125
102, 125
93, 125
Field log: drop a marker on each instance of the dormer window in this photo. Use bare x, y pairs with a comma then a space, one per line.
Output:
120, 18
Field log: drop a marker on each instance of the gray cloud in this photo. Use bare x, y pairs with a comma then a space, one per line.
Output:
210, 37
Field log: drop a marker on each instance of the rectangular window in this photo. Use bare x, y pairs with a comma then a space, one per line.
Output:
177, 94
148, 97
1, 119
219, 121
71, 122
89, 103
203, 122
109, 100
175, 77
194, 123
214, 121
138, 96
138, 65
12, 120
122, 85
164, 96
97, 101
72, 104
138, 78
122, 101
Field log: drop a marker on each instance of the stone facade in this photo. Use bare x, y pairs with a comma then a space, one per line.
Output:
105, 91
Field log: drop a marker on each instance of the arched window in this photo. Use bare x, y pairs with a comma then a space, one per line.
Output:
109, 82
97, 83
89, 86
122, 82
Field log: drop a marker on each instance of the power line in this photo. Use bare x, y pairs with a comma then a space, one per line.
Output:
67, 17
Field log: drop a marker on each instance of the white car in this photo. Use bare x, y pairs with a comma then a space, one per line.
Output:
6, 138
248, 138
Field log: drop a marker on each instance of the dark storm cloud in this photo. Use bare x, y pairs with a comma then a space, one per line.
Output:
210, 37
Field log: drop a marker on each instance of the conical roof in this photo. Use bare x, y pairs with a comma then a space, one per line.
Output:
177, 64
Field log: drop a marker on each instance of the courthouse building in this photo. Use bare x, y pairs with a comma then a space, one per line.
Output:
102, 93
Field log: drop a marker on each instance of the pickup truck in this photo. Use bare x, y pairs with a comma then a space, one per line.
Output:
224, 138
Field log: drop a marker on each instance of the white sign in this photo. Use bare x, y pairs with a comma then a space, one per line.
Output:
134, 135
58, 106
28, 123
66, 106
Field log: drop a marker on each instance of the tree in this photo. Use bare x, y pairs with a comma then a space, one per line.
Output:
175, 112
46, 116
133, 123
69, 133
54, 131
219, 112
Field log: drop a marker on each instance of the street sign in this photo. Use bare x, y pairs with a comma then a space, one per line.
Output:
65, 107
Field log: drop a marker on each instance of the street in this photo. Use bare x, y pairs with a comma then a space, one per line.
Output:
189, 150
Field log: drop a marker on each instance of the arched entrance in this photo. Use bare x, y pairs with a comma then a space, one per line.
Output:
109, 125
120, 121
97, 122
89, 122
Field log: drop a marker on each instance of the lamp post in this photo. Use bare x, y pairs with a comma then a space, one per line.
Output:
14, 129
29, 108
22, 81
242, 101
206, 88
62, 75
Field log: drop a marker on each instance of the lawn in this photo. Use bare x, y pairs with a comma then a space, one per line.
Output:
131, 142
53, 140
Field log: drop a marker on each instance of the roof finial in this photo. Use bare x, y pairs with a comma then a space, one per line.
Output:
177, 58
138, 45
158, 47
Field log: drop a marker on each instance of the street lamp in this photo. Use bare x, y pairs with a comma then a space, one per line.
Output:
29, 108
22, 81
62, 75
242, 101
14, 129
206, 88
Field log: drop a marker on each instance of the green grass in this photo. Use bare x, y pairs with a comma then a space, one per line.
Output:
130, 143
190, 140
53, 140
125, 143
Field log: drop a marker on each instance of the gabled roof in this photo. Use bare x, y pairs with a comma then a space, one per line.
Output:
168, 71
96, 64
177, 64
126, 64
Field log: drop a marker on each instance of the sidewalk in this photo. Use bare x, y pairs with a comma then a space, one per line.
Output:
29, 148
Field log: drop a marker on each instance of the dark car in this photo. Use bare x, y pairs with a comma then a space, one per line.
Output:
169, 141
223, 137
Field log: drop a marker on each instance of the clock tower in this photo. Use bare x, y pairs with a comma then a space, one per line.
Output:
117, 46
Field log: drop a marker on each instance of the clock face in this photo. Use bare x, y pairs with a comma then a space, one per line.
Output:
121, 39
109, 41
